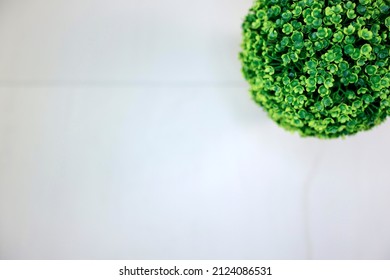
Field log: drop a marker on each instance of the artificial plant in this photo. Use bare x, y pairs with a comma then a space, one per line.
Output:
319, 67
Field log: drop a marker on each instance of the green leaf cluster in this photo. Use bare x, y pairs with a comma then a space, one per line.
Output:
319, 67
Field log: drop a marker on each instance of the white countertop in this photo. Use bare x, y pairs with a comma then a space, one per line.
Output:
127, 132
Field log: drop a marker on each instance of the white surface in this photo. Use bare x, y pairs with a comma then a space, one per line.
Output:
126, 131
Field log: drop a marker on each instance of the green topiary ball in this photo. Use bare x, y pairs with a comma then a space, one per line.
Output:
319, 67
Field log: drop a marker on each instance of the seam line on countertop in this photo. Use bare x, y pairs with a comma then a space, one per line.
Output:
113, 84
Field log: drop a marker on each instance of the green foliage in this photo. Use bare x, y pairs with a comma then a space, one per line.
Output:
319, 67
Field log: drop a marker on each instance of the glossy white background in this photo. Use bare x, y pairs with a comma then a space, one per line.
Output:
126, 132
